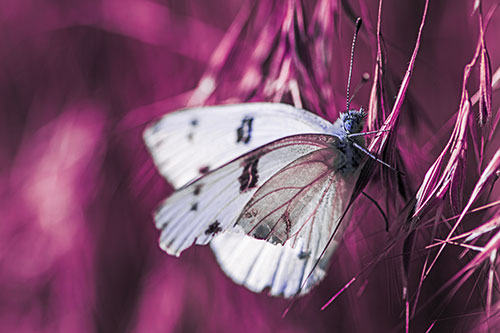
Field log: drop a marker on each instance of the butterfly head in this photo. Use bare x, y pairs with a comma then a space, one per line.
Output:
353, 121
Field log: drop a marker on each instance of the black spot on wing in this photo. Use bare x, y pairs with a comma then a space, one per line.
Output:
250, 175
204, 169
164, 225
197, 189
275, 240
194, 123
213, 229
194, 207
303, 255
262, 231
244, 132
288, 223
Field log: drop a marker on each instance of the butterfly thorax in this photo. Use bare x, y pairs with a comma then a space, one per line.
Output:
350, 122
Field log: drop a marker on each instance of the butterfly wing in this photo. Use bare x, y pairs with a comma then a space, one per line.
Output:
291, 218
213, 203
257, 264
187, 143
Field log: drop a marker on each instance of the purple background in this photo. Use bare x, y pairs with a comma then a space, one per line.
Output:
79, 81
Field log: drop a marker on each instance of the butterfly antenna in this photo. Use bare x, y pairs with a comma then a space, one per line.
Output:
358, 25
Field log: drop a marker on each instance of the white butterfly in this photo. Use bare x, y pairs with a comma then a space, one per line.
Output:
265, 184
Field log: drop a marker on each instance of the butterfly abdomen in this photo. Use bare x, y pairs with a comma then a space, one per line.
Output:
352, 157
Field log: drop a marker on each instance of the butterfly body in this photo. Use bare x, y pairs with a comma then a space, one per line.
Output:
265, 184
348, 123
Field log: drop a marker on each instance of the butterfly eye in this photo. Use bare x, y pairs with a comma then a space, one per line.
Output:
350, 125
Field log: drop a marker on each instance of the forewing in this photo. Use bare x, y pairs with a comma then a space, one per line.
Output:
188, 143
303, 200
290, 220
213, 203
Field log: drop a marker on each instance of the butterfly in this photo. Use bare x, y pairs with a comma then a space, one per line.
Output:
265, 184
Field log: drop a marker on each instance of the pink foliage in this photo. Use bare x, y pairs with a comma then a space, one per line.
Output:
81, 79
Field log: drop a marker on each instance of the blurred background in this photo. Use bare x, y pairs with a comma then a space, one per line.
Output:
80, 80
